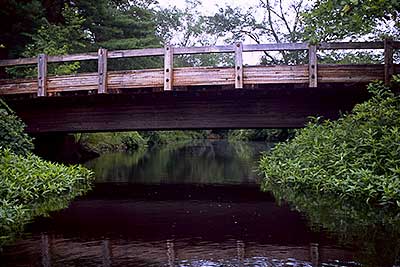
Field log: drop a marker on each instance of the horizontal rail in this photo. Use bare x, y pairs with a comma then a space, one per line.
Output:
200, 50
201, 76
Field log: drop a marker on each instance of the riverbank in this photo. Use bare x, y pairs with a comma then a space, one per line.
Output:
355, 157
31, 186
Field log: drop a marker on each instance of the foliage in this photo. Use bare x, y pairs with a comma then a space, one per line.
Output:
108, 142
170, 137
55, 39
12, 134
28, 183
336, 19
268, 135
268, 21
355, 157
188, 27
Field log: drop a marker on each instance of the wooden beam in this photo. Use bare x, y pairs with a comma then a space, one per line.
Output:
275, 47
312, 66
168, 67
239, 66
350, 45
146, 52
102, 71
388, 43
42, 75
204, 49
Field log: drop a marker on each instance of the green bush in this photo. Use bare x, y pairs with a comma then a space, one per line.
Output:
111, 142
267, 135
29, 184
12, 134
171, 137
357, 156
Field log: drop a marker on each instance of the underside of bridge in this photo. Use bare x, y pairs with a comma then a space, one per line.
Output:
278, 106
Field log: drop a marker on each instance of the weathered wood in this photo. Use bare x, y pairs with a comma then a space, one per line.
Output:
396, 44
262, 108
201, 76
359, 73
102, 71
42, 75
239, 66
146, 52
168, 67
388, 60
350, 45
19, 61
312, 66
204, 49
275, 47
200, 50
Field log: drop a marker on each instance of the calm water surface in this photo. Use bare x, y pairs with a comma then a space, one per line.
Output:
200, 204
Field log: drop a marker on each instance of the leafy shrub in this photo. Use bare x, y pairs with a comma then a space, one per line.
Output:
357, 156
109, 142
12, 134
170, 137
133, 141
268, 135
29, 184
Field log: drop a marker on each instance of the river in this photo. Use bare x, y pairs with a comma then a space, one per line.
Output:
199, 204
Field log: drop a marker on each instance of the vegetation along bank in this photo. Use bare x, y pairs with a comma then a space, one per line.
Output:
355, 157
29, 185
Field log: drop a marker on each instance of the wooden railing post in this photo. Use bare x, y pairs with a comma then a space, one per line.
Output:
388, 50
312, 66
238, 65
102, 71
42, 75
168, 67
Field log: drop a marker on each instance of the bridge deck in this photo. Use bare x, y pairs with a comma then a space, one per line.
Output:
170, 78
284, 96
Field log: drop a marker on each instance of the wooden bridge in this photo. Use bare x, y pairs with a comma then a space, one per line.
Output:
193, 97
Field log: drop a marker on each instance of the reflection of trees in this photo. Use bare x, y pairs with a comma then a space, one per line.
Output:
200, 162
373, 232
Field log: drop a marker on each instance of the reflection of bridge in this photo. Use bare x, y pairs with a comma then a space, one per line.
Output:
193, 97
106, 252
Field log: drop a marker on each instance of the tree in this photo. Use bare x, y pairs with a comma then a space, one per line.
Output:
329, 20
270, 21
187, 27
55, 39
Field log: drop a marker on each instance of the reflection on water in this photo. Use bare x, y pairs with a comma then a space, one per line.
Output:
373, 232
202, 162
200, 205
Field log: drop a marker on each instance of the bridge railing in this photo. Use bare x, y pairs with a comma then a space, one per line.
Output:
168, 52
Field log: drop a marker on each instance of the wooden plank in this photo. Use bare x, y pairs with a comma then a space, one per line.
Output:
350, 45
312, 66
42, 75
281, 74
19, 61
204, 49
197, 76
102, 71
150, 78
238, 65
201, 76
136, 53
330, 73
388, 52
275, 47
282, 107
168, 67
396, 44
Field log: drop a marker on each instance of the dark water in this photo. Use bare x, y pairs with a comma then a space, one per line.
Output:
200, 205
